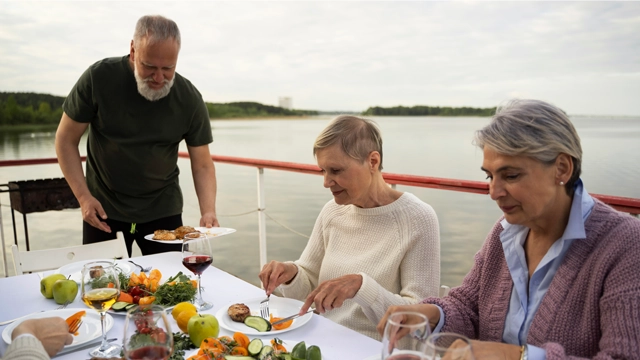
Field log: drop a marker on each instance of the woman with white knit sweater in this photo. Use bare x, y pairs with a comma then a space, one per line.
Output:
371, 247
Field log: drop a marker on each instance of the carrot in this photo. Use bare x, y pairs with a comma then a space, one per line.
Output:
284, 325
238, 350
241, 339
125, 297
111, 285
194, 283
147, 300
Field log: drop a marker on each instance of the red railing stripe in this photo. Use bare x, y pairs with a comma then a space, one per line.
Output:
629, 205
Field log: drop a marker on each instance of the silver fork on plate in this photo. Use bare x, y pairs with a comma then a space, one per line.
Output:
264, 308
143, 269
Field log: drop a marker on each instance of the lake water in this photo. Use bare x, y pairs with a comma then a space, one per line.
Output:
428, 146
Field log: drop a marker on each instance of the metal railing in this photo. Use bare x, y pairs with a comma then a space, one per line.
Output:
624, 204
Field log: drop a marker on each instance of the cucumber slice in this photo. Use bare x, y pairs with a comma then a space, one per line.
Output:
257, 323
265, 352
130, 306
254, 347
120, 306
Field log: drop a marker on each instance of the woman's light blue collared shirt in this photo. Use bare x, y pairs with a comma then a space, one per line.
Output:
524, 304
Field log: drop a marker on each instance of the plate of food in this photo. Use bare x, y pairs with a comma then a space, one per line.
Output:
177, 236
257, 348
232, 317
89, 330
74, 270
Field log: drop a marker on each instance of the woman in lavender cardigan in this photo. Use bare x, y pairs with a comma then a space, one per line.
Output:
558, 276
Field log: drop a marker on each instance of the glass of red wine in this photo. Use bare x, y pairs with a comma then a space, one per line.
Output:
405, 336
147, 334
197, 256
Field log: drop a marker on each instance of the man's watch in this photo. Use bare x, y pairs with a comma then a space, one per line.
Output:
524, 352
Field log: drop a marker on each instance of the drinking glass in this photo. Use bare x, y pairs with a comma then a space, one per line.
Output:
100, 288
405, 336
447, 346
147, 334
197, 256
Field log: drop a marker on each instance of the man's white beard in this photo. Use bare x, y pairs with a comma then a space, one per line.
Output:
149, 93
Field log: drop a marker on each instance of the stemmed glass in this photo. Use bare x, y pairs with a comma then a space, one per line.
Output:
147, 334
405, 336
447, 346
197, 256
100, 288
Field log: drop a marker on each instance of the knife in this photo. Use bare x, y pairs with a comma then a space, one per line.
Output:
291, 317
85, 346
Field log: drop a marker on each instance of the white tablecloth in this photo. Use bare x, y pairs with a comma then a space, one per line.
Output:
20, 295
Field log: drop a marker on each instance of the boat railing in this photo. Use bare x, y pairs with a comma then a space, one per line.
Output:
625, 204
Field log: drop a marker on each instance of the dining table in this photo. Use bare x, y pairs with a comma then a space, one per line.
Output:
20, 296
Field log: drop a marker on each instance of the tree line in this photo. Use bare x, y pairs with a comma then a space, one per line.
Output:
422, 110
44, 109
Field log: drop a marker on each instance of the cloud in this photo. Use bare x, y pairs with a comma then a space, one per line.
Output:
582, 56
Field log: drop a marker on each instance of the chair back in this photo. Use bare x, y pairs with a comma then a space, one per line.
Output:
49, 259
444, 291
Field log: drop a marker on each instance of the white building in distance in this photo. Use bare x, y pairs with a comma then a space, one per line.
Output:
285, 102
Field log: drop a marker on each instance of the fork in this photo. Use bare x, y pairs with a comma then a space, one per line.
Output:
75, 325
264, 308
143, 269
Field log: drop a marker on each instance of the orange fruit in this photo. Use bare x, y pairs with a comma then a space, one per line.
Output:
183, 319
182, 307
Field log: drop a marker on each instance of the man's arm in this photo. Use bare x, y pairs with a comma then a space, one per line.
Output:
204, 179
67, 140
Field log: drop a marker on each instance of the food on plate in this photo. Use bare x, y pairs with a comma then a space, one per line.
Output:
202, 326
240, 348
74, 317
280, 326
238, 312
96, 271
65, 291
258, 323
164, 235
184, 230
46, 284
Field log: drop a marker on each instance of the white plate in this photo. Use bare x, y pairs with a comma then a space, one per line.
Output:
288, 344
88, 331
214, 231
279, 307
75, 269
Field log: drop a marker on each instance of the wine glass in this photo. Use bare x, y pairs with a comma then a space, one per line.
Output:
147, 334
448, 346
405, 336
100, 288
197, 256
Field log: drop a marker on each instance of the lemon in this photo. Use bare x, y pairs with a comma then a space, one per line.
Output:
183, 319
182, 307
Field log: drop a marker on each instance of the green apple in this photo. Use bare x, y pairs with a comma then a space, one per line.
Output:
201, 327
64, 291
46, 284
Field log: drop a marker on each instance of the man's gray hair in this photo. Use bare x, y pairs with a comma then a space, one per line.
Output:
535, 129
357, 137
156, 28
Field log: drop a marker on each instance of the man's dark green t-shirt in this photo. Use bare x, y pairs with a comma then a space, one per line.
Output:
132, 147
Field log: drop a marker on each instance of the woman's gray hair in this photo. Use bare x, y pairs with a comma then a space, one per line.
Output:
357, 137
156, 28
536, 129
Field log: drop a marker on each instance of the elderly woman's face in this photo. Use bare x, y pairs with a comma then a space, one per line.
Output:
525, 189
348, 179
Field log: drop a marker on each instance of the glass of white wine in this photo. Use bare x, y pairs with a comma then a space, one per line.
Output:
405, 336
448, 346
100, 288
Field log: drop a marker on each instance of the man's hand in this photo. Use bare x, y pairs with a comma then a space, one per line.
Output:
92, 213
332, 293
209, 219
53, 333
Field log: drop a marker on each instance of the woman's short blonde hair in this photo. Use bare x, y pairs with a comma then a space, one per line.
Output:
535, 129
357, 137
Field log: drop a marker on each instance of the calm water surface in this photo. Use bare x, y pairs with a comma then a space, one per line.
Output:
432, 146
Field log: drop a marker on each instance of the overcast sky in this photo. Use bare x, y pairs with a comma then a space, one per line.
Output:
581, 56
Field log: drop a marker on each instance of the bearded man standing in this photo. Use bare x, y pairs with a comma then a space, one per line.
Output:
139, 109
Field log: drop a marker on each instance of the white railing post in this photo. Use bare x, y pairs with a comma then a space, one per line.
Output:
262, 223
4, 254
